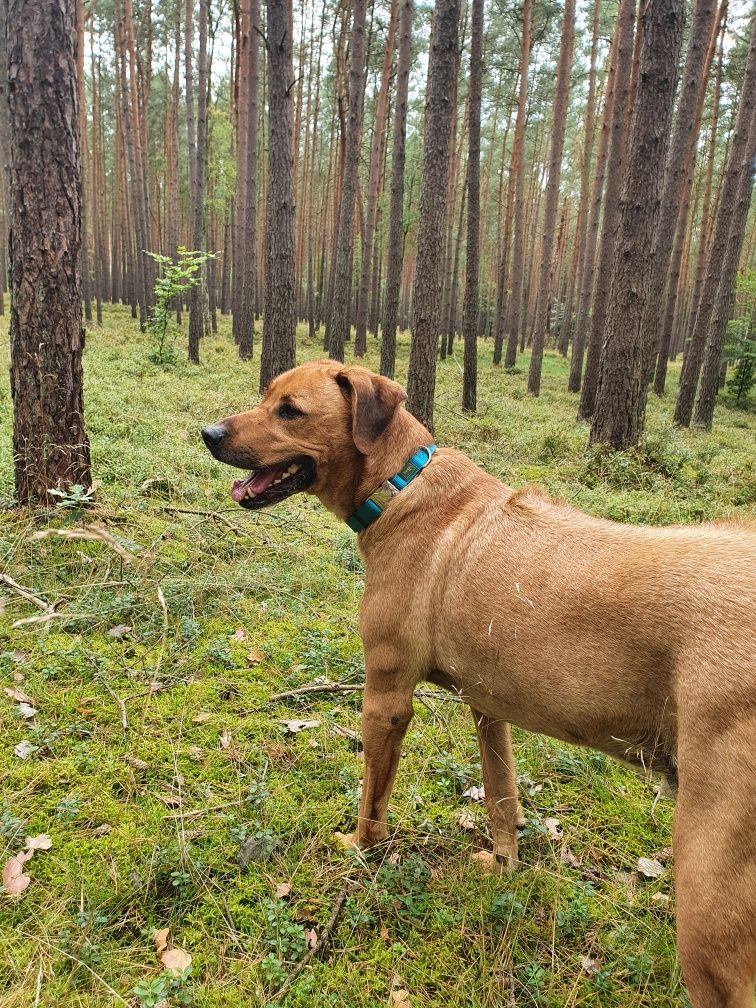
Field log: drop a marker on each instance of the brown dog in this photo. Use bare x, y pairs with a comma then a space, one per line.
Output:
639, 642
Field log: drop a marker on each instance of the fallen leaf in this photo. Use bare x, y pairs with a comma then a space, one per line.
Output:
255, 656
650, 868
18, 695
239, 635
298, 726
297, 668
27, 711
466, 820
201, 717
665, 854
553, 828
253, 849
567, 857
474, 793
400, 998
311, 937
41, 842
176, 960
14, 879
224, 741
282, 890
195, 752
19, 656
160, 938
102, 830
138, 764
385, 936
25, 749
661, 900
589, 966
119, 631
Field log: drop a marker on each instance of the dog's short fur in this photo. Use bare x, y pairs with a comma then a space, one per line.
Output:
639, 642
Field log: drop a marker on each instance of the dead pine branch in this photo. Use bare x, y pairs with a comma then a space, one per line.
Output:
323, 939
25, 593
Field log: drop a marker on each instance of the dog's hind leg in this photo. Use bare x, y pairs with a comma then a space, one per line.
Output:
500, 783
715, 868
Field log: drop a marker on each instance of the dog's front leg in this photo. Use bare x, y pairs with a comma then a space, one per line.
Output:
500, 783
386, 714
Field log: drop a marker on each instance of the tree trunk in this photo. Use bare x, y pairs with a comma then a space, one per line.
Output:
618, 416
244, 32
471, 303
342, 289
552, 195
623, 96
50, 445
374, 179
677, 175
712, 362
724, 228
279, 320
248, 278
396, 207
518, 163
587, 266
196, 293
442, 66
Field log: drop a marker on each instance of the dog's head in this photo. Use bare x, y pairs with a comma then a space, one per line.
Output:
313, 424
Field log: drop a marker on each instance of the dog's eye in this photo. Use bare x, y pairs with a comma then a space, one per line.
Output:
288, 412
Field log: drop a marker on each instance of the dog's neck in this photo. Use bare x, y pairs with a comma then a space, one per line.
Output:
401, 439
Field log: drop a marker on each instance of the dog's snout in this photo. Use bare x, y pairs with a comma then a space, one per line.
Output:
213, 435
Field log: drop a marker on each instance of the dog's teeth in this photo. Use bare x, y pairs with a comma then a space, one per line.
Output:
251, 493
276, 481
292, 469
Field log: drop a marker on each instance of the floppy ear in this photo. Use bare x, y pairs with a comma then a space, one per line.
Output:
374, 400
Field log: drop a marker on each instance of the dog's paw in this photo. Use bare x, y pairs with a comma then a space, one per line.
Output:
493, 864
347, 840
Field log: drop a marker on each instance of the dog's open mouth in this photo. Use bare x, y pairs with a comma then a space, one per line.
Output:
270, 484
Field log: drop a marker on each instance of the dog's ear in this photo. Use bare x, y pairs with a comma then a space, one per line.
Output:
374, 400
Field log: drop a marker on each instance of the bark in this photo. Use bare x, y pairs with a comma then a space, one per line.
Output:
248, 278
279, 320
724, 228
396, 207
552, 195
471, 302
683, 231
50, 446
712, 361
618, 416
243, 31
379, 128
623, 95
587, 267
581, 227
339, 328
677, 175
426, 298
518, 162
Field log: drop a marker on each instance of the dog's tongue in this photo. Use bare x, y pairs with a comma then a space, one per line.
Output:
256, 482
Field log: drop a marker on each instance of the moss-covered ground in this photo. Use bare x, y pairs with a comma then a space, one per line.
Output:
174, 795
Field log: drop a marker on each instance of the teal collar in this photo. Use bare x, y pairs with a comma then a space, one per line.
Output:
376, 503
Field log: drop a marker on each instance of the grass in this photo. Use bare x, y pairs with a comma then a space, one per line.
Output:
223, 609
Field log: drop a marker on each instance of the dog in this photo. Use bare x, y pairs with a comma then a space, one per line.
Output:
638, 642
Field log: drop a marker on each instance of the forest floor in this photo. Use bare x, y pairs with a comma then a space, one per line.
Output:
139, 732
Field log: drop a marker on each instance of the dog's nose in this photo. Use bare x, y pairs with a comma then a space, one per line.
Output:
213, 435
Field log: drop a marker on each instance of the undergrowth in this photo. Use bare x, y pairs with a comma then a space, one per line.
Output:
176, 796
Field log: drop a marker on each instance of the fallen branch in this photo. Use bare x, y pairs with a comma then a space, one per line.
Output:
121, 706
91, 533
323, 939
28, 595
340, 687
